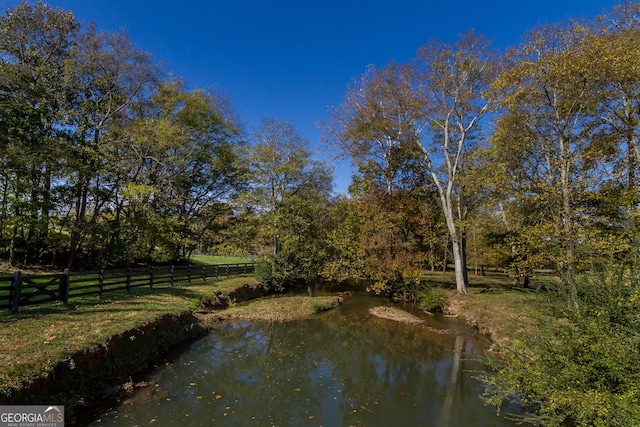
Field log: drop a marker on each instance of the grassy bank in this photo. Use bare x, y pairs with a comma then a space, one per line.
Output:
498, 309
274, 308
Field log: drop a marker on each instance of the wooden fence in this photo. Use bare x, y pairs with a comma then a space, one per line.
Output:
21, 289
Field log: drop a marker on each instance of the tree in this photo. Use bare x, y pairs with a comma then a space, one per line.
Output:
289, 192
425, 114
179, 163
375, 125
608, 60
107, 75
453, 82
384, 239
34, 44
547, 97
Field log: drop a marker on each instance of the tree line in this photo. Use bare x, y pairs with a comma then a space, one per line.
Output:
521, 159
531, 155
103, 160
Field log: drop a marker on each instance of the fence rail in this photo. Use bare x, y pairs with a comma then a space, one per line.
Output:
21, 290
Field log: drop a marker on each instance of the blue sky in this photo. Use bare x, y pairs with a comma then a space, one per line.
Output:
294, 59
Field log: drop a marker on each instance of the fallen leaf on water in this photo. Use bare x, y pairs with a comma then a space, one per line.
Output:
218, 396
198, 397
401, 393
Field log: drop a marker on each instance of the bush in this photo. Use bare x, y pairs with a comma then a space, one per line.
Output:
432, 299
583, 367
273, 272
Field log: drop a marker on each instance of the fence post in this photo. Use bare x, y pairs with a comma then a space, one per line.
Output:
171, 274
227, 270
189, 273
16, 290
204, 273
100, 282
128, 280
64, 286
216, 272
151, 276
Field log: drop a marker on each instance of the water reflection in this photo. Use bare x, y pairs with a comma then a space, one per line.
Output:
341, 368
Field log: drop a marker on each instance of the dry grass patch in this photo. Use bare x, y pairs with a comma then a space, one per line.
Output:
396, 314
501, 315
276, 308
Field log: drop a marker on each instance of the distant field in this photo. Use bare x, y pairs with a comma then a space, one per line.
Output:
215, 259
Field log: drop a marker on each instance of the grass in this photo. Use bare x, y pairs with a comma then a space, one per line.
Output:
216, 259
278, 308
494, 306
37, 338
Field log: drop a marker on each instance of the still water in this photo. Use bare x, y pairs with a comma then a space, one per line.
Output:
343, 367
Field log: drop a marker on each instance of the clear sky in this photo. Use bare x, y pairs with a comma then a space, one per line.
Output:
294, 59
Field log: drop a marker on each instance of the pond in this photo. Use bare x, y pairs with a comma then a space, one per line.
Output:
343, 367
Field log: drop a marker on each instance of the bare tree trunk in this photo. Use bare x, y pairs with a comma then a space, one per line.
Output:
460, 267
457, 243
446, 254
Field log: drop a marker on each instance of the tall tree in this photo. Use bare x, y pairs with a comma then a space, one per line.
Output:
376, 124
608, 59
178, 164
107, 74
548, 104
289, 191
453, 81
34, 44
429, 111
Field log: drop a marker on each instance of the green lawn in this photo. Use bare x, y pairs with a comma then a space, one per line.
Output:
216, 259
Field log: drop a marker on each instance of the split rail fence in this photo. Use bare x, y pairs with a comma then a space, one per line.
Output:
19, 290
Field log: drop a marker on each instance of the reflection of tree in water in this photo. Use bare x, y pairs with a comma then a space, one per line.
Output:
453, 389
343, 367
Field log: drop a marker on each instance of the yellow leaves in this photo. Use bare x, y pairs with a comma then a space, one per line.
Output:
138, 192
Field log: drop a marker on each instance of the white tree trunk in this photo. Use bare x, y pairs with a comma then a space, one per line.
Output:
459, 259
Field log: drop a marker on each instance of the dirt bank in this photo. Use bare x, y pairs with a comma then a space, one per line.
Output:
99, 372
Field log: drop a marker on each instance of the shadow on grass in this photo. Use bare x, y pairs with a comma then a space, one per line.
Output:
149, 299
492, 282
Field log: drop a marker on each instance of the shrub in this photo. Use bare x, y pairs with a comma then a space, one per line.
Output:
582, 367
273, 272
432, 299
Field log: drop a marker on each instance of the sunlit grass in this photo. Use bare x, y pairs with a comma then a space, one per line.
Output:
38, 337
215, 259
280, 308
500, 310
